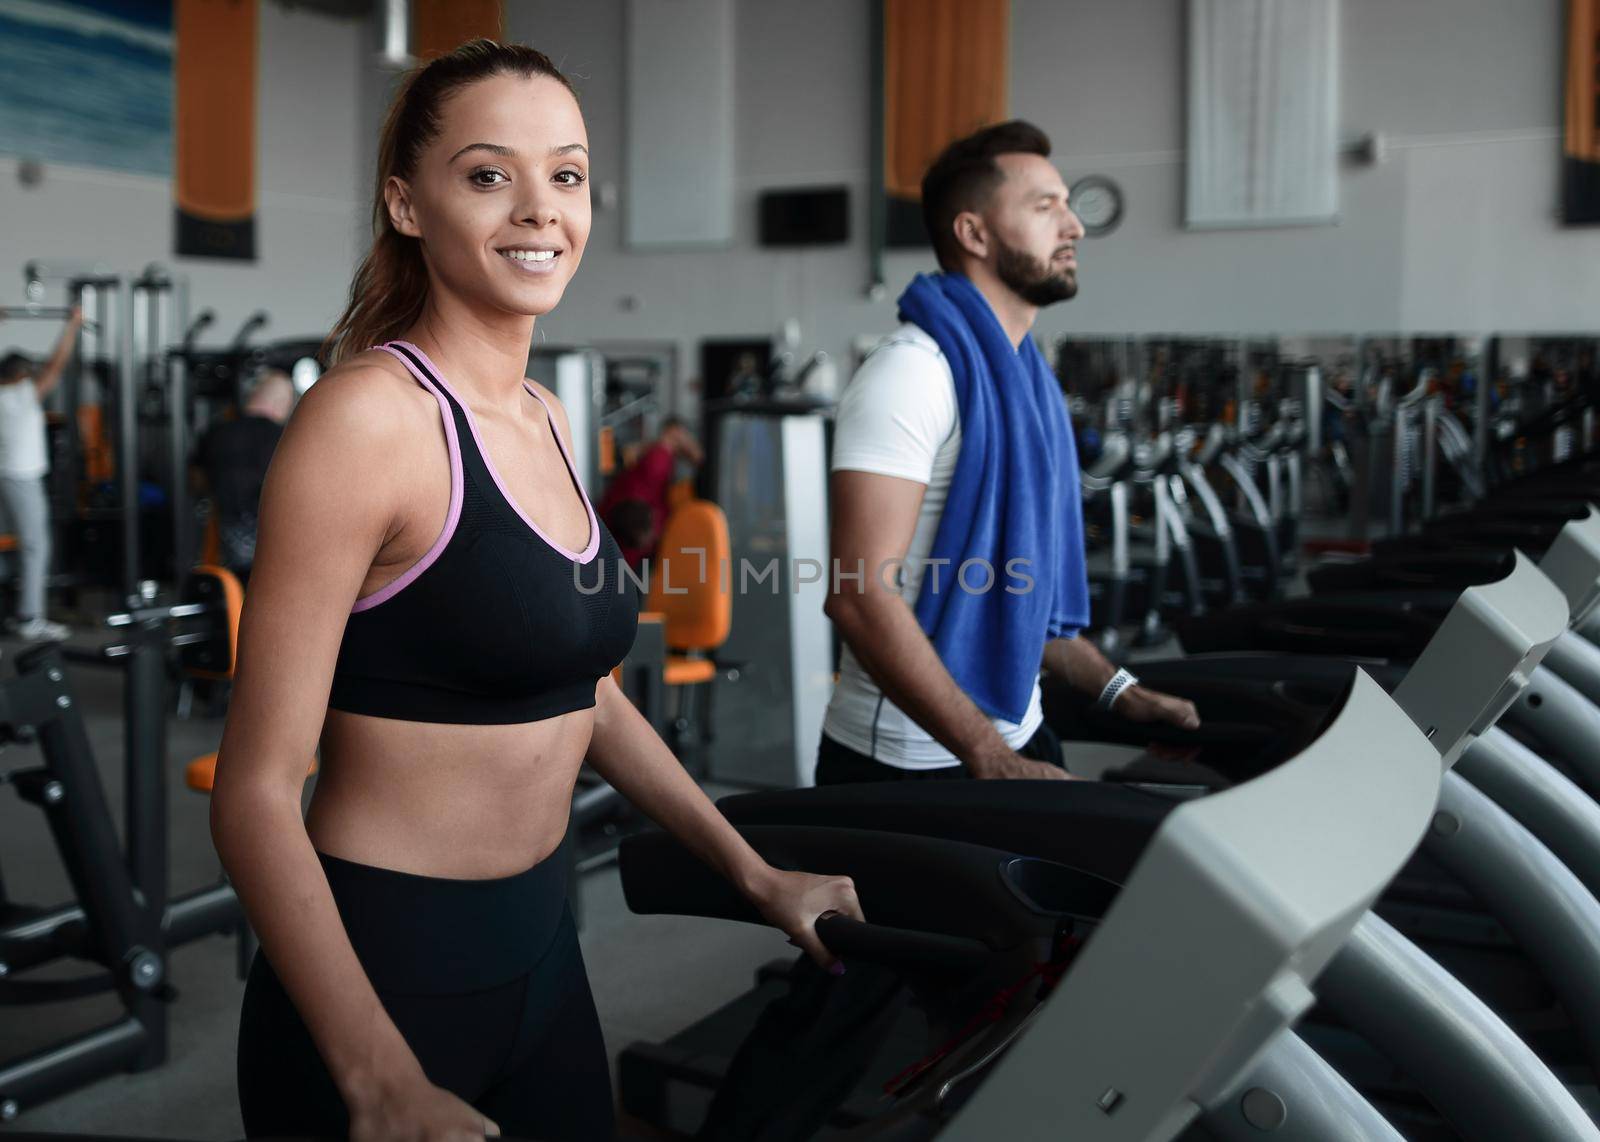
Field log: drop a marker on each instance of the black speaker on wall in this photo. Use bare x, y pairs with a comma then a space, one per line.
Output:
813, 216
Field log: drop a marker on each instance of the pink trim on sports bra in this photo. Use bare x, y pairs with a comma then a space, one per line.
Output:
594, 527
588, 552
457, 493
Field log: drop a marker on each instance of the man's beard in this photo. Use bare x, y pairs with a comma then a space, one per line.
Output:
1032, 280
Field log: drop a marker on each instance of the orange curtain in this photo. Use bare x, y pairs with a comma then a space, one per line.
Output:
1580, 174
1583, 79
944, 76
439, 26
214, 165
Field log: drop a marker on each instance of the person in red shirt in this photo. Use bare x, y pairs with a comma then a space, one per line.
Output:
635, 504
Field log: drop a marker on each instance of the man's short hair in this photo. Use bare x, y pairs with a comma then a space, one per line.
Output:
964, 176
14, 366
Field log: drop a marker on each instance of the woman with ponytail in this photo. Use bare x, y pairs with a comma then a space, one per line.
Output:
422, 608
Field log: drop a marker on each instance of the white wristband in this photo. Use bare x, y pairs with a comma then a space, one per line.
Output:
1120, 681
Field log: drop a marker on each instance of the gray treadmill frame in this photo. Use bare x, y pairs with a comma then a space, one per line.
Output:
1284, 900
1498, 633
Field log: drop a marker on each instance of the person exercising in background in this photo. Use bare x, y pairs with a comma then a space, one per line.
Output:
24, 462
953, 460
647, 481
230, 465
952, 442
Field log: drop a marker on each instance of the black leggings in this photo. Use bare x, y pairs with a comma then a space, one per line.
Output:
484, 979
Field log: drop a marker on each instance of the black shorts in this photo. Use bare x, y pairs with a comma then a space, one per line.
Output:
839, 764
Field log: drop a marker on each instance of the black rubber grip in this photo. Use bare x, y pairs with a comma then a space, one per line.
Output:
901, 947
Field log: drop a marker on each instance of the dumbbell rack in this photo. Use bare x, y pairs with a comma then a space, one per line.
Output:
122, 920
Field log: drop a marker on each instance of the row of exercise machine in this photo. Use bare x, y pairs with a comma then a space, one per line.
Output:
1132, 951
1202, 457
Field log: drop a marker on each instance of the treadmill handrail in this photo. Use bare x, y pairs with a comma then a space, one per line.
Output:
1244, 481
1115, 459
884, 944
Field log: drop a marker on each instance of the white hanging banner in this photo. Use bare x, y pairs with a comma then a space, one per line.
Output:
1263, 145
679, 127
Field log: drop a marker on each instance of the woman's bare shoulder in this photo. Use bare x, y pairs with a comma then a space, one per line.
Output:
369, 401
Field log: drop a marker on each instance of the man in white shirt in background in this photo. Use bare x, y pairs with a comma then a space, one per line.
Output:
1006, 240
24, 462
997, 212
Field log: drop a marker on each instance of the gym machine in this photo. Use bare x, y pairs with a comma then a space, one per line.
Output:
139, 365
1512, 909
1144, 1034
121, 367
124, 919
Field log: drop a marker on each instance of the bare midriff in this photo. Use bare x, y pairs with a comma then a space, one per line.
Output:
452, 801
463, 802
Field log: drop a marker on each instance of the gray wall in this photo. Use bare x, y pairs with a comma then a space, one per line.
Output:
1455, 231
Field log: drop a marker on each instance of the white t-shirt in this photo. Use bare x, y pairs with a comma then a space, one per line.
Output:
898, 417
22, 440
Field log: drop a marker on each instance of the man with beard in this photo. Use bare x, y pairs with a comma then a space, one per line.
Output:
957, 547
940, 676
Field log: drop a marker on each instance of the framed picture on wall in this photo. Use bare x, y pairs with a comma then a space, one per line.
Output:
116, 113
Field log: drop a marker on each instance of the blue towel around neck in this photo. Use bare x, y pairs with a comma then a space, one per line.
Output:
1014, 496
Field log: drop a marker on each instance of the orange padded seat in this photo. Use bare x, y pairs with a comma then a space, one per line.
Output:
693, 560
681, 670
8, 543
201, 773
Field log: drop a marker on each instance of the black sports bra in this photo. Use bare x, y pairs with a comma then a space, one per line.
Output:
497, 623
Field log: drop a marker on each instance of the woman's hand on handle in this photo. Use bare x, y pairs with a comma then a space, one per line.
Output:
414, 1110
793, 902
